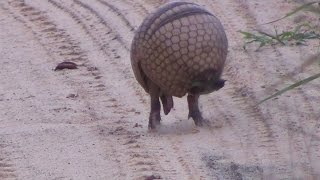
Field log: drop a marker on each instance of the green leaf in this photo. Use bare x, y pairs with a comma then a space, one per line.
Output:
304, 6
247, 35
299, 83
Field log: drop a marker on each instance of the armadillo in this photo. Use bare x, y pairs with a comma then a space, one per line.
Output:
179, 49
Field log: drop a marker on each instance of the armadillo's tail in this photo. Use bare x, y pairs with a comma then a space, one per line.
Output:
167, 103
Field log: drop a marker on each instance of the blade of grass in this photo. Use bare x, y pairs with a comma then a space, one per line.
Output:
299, 83
260, 38
247, 35
315, 10
276, 37
304, 6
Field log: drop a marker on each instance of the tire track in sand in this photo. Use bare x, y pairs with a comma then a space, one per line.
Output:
119, 13
105, 38
155, 146
298, 142
7, 169
132, 152
184, 159
264, 151
62, 47
131, 12
138, 7
94, 13
243, 10
301, 117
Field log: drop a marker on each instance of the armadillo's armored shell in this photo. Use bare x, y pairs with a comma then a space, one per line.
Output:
175, 44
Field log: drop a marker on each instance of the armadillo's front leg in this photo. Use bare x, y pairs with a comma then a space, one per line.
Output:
194, 111
154, 118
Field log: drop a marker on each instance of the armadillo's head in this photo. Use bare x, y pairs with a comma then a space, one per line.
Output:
206, 87
207, 82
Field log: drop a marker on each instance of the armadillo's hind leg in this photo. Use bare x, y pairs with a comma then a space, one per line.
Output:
167, 103
194, 111
154, 118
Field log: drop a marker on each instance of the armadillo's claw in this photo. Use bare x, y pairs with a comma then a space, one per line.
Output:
194, 111
154, 120
197, 118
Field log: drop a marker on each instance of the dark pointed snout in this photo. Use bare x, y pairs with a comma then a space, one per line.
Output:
219, 84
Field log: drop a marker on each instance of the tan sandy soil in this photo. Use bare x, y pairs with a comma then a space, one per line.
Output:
91, 122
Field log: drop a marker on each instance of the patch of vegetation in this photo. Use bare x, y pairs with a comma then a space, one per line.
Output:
297, 36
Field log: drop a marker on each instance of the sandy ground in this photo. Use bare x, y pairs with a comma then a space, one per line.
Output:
91, 123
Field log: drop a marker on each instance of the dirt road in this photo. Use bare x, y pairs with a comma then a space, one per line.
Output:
91, 122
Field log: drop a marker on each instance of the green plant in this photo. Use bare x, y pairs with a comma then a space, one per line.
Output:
297, 36
299, 83
305, 7
256, 38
